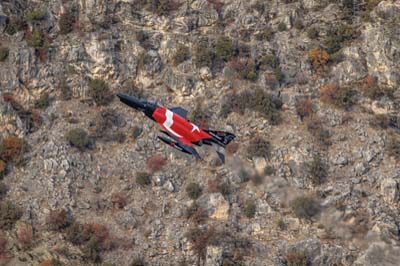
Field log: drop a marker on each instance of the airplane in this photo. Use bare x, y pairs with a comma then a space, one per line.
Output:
182, 134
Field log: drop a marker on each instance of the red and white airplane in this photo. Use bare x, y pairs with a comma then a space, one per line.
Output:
182, 133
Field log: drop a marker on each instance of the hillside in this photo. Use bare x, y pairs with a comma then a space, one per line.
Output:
311, 89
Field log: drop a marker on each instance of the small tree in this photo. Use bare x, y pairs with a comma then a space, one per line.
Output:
249, 209
193, 190
100, 92
79, 138
305, 207
3, 54
224, 49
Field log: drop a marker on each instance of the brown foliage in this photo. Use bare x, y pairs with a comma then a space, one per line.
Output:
342, 97
304, 108
200, 240
3, 168
58, 220
319, 59
24, 235
119, 200
36, 118
232, 148
4, 254
156, 163
51, 262
315, 127
259, 147
12, 149
328, 92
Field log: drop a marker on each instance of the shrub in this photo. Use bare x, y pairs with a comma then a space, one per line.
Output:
66, 23
43, 102
257, 100
204, 55
143, 178
161, 7
200, 240
305, 207
282, 26
119, 200
281, 224
266, 35
119, 136
313, 33
3, 54
225, 188
342, 97
9, 214
259, 147
3, 190
58, 220
304, 108
3, 168
138, 261
182, 54
315, 127
385, 121
36, 15
298, 259
337, 35
35, 39
317, 170
91, 250
51, 262
319, 59
156, 163
66, 92
196, 213
298, 24
12, 149
393, 146
224, 49
193, 190
24, 235
14, 25
4, 254
100, 92
78, 138
232, 148
245, 68
270, 60
249, 209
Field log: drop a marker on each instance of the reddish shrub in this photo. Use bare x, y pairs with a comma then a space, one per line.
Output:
315, 127
3, 168
119, 200
41, 53
156, 163
36, 118
328, 92
4, 254
58, 220
24, 235
8, 97
213, 184
12, 149
200, 240
369, 81
51, 262
232, 148
217, 4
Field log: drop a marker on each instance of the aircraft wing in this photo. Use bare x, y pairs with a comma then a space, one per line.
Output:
180, 144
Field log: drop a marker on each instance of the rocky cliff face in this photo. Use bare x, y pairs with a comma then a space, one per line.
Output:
310, 88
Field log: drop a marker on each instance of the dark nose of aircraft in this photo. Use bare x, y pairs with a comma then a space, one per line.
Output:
132, 101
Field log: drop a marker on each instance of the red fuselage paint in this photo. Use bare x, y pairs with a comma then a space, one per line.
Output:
179, 127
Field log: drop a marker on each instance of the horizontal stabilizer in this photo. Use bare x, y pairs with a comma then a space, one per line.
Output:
221, 136
180, 111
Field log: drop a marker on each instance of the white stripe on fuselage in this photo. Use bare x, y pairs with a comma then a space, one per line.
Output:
169, 121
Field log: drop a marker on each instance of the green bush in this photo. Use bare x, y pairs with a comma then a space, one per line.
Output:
138, 261
266, 35
204, 55
305, 207
9, 214
282, 26
36, 15
14, 25
100, 92
224, 49
337, 35
182, 54
270, 60
79, 138
3, 54
259, 147
43, 102
298, 24
35, 39
91, 250
193, 190
317, 170
249, 209
161, 7
65, 23
119, 137
312, 33
257, 100
143, 178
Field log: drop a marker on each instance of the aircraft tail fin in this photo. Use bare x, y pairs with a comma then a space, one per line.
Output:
221, 137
